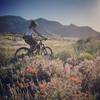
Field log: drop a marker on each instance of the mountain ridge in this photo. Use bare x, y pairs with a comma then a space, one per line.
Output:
19, 24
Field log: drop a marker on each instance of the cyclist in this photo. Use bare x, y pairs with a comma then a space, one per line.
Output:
28, 35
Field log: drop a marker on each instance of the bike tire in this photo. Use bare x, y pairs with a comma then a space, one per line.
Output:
20, 57
47, 52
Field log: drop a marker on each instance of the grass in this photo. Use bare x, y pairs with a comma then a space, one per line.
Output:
59, 45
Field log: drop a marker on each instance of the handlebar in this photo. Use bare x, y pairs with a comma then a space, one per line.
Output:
43, 39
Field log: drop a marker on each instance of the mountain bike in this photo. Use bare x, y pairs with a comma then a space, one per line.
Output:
39, 49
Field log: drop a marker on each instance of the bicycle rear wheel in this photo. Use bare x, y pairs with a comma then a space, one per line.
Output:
22, 53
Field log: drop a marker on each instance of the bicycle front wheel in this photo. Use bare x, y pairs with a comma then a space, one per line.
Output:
47, 52
22, 53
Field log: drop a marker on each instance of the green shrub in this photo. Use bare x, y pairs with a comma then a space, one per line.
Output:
85, 55
63, 55
88, 45
5, 55
3, 59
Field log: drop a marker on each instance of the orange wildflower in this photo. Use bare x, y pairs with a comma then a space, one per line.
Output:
74, 79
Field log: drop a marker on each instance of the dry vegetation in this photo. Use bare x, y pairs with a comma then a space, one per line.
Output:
74, 72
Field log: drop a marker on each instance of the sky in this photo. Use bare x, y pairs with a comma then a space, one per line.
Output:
79, 12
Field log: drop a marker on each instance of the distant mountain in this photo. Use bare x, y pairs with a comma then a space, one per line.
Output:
13, 24
76, 31
50, 28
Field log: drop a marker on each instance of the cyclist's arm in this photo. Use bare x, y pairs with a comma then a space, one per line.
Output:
39, 34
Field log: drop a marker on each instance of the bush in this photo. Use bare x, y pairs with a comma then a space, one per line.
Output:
88, 45
63, 55
85, 55
5, 56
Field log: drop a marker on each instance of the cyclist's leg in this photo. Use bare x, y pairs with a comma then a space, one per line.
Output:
30, 41
33, 42
27, 39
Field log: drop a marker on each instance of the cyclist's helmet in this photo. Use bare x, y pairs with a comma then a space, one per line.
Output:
33, 24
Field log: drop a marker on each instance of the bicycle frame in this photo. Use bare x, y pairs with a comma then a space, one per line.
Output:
37, 47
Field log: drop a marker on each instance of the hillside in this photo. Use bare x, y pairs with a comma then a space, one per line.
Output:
76, 31
50, 28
